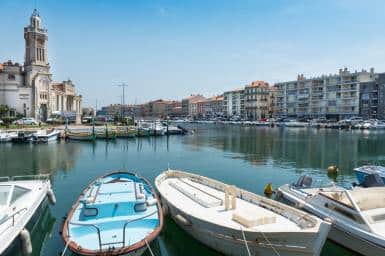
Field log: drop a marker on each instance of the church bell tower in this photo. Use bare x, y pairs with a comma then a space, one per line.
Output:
36, 55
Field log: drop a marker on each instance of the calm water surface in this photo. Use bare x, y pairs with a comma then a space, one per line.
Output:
247, 157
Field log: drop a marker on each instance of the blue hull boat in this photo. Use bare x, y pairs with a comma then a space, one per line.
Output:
363, 171
117, 214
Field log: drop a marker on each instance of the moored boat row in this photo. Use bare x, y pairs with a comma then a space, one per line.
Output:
121, 214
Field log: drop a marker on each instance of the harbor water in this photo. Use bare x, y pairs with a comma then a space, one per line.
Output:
248, 157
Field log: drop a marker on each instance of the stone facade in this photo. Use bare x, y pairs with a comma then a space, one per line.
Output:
28, 89
189, 105
257, 100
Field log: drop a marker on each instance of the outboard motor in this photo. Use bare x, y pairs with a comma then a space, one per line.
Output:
372, 180
304, 181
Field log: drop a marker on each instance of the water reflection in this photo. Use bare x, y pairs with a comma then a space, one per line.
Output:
299, 148
19, 159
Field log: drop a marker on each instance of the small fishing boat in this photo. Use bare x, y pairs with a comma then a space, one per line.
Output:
86, 135
105, 133
364, 171
7, 136
144, 132
295, 124
22, 137
126, 132
357, 214
237, 222
117, 214
21, 198
45, 136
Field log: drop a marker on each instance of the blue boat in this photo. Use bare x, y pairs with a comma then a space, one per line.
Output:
363, 171
117, 214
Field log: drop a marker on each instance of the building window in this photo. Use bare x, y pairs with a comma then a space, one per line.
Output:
11, 77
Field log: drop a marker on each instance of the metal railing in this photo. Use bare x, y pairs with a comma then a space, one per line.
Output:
25, 177
13, 219
123, 242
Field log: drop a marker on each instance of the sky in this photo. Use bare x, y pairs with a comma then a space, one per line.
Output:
171, 49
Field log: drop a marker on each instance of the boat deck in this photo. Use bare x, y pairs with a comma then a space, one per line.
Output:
121, 209
208, 203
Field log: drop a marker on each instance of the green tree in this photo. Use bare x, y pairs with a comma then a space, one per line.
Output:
3, 110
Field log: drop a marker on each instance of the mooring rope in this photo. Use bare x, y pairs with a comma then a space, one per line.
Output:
149, 248
244, 239
66, 247
267, 240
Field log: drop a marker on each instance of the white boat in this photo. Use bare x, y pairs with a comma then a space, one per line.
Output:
237, 222
7, 136
20, 198
295, 124
357, 214
45, 136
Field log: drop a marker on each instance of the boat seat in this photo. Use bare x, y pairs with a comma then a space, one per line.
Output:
249, 220
201, 197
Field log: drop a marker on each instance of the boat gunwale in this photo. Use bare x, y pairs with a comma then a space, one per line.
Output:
74, 247
356, 232
252, 198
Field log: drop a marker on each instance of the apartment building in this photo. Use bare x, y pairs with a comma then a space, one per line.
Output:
189, 104
257, 100
332, 96
234, 103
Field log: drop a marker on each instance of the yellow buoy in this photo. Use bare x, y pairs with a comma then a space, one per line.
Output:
332, 169
268, 189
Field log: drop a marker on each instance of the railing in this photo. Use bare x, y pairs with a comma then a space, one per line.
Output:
25, 177
13, 219
123, 242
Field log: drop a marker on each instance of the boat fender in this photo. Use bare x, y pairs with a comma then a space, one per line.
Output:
268, 189
278, 195
333, 169
182, 220
151, 202
51, 196
26, 243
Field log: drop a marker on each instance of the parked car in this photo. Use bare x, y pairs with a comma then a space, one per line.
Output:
1, 122
25, 121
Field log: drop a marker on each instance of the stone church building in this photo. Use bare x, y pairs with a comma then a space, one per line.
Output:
28, 89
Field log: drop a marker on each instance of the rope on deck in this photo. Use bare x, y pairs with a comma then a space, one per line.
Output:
244, 239
149, 248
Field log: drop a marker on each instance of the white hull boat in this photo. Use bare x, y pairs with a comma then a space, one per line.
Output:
45, 136
7, 136
237, 222
357, 215
295, 124
20, 198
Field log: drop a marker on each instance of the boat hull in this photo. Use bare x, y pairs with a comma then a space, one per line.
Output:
136, 249
11, 238
230, 242
340, 235
15, 249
